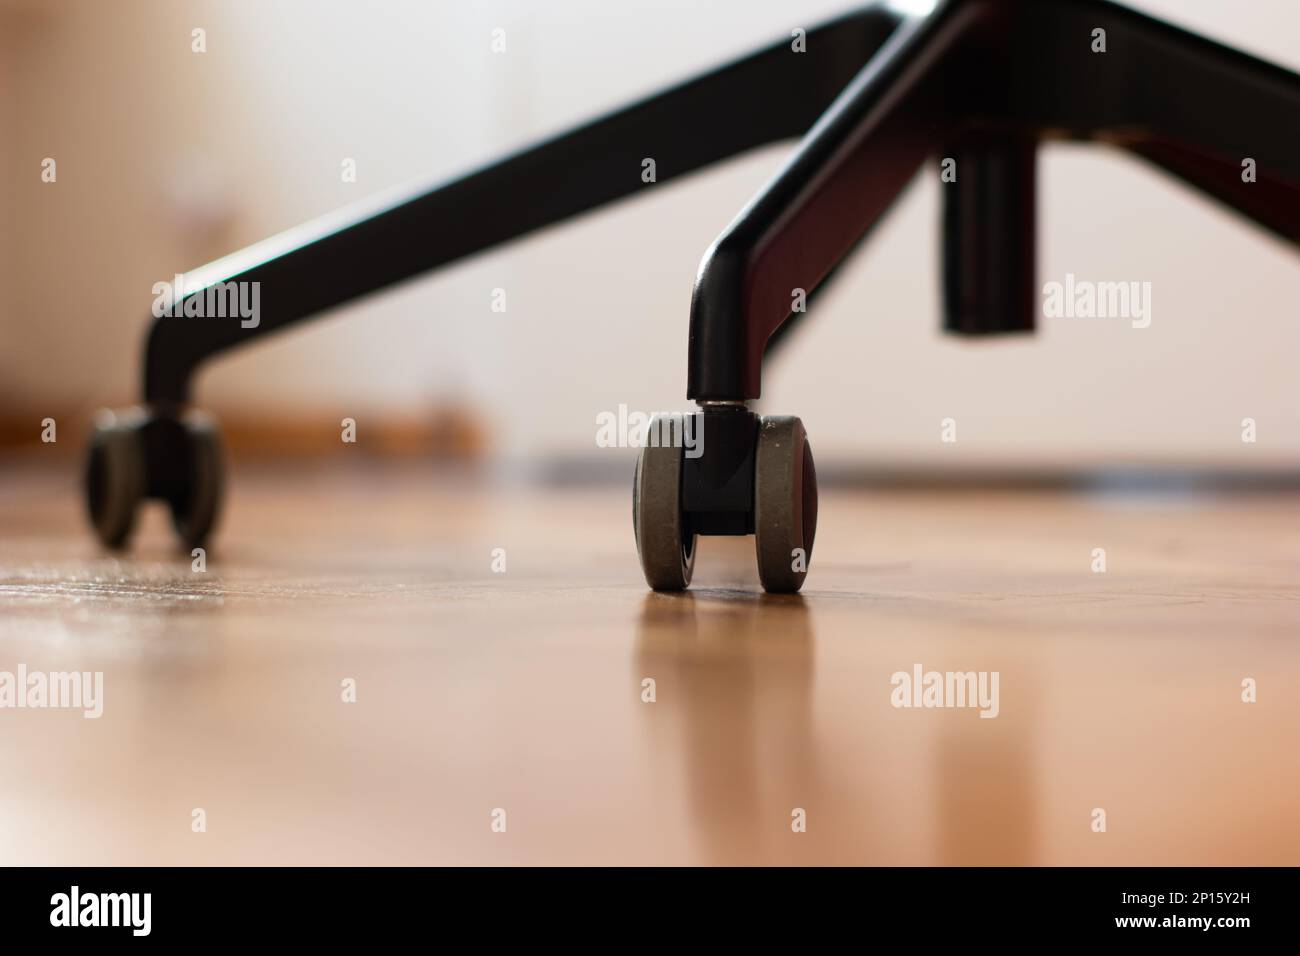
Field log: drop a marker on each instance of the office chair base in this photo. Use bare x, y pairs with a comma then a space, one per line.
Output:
978, 84
143, 453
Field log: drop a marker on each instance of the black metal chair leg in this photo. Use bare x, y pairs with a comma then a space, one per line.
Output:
1193, 107
757, 475
845, 173
772, 95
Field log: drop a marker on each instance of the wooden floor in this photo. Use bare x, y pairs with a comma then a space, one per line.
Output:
522, 691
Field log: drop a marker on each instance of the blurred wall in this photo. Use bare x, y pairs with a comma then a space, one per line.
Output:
168, 158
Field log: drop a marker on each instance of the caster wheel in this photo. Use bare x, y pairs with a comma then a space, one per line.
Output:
116, 479
197, 499
785, 503
141, 453
664, 539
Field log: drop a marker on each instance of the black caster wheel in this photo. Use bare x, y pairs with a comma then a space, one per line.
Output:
116, 480
664, 539
141, 453
196, 500
785, 503
755, 476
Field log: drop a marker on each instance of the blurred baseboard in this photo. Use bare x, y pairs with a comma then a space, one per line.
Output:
447, 433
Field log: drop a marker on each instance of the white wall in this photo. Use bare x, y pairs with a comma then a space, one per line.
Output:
598, 308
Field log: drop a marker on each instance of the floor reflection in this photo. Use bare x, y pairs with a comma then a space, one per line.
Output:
733, 676
986, 797
733, 739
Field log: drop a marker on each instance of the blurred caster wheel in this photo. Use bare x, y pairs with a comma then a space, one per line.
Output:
116, 480
785, 503
664, 540
196, 501
139, 454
